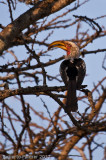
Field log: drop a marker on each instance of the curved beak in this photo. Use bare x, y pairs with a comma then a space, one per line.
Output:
58, 44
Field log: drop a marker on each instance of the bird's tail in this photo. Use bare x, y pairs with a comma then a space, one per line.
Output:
71, 103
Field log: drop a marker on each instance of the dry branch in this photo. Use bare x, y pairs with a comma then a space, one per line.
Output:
34, 14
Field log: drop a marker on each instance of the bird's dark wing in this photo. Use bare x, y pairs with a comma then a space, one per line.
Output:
63, 71
68, 73
72, 74
81, 70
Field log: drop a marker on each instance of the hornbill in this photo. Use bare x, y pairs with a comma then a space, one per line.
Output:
72, 71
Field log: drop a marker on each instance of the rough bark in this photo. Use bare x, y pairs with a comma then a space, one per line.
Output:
40, 10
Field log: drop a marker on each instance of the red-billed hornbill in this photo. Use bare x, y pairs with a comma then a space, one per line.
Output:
72, 71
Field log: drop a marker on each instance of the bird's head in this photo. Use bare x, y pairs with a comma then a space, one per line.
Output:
71, 48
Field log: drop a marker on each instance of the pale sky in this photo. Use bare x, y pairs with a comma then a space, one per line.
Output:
92, 9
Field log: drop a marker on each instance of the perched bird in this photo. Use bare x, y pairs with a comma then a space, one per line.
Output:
72, 71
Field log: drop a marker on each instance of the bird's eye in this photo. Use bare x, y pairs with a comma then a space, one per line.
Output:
69, 45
